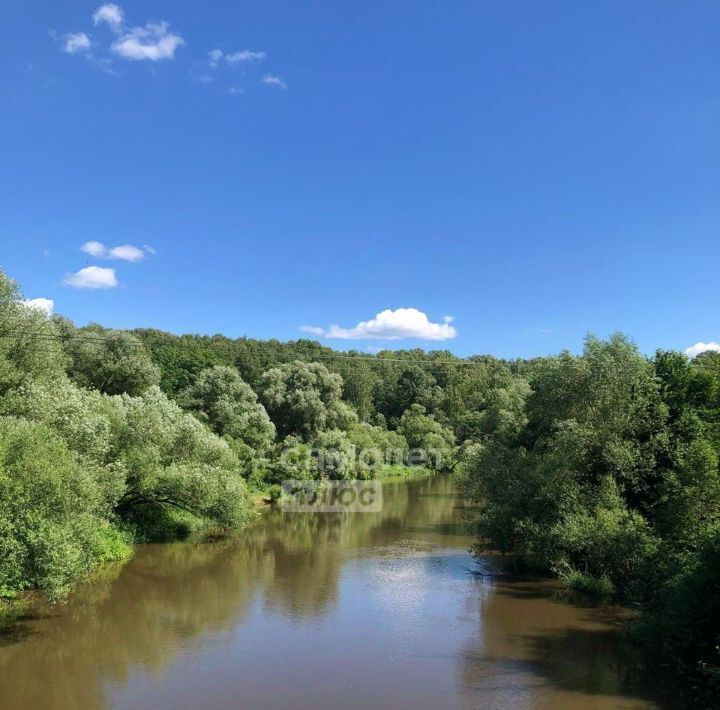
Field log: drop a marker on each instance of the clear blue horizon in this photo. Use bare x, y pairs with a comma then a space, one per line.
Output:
521, 174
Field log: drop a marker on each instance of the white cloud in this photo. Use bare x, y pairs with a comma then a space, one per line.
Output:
94, 249
236, 90
111, 14
124, 252
153, 42
245, 55
92, 277
44, 305
274, 81
76, 42
389, 325
216, 57
695, 350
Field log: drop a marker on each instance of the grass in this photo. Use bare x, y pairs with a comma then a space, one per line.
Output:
116, 544
598, 586
395, 471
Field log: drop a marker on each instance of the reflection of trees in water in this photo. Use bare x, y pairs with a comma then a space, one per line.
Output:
539, 649
169, 596
160, 601
309, 549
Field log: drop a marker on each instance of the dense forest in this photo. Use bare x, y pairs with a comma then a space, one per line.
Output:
600, 468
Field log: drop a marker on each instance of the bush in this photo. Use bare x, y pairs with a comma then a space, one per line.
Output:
50, 511
598, 586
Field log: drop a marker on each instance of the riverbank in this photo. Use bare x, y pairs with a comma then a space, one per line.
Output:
195, 623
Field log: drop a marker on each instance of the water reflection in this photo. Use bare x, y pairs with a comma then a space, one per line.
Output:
318, 611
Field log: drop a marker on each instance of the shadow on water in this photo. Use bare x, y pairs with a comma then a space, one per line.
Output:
17, 631
567, 643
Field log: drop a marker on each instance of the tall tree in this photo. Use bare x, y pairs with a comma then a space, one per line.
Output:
301, 398
231, 408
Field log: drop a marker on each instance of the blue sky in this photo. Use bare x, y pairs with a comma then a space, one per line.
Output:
533, 170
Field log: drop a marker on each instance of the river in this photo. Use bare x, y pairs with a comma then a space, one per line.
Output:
382, 610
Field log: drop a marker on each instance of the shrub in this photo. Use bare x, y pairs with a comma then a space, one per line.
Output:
50, 508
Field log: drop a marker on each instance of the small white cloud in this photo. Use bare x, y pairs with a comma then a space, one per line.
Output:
153, 42
124, 252
76, 42
149, 249
109, 13
94, 249
244, 55
695, 350
236, 90
92, 277
389, 325
274, 81
448, 319
44, 305
214, 57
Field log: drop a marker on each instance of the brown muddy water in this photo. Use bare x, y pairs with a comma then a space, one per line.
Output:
324, 611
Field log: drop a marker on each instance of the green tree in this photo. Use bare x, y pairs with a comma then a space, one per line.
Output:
51, 512
335, 455
29, 349
173, 460
423, 433
110, 361
220, 397
301, 398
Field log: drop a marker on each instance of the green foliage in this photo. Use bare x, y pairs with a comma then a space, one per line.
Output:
172, 459
597, 586
689, 504
602, 468
377, 447
110, 361
87, 421
87, 461
114, 544
606, 473
220, 397
682, 620
396, 471
50, 511
293, 461
336, 455
28, 350
414, 385
301, 398
427, 436
181, 359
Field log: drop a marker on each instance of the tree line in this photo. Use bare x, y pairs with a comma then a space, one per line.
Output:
603, 469
600, 468
108, 437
